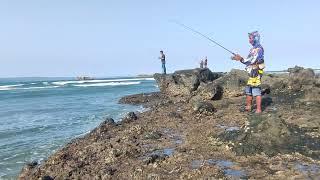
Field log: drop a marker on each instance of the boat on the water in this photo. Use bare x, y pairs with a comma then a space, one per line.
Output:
81, 78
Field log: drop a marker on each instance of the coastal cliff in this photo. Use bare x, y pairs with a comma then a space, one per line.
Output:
194, 128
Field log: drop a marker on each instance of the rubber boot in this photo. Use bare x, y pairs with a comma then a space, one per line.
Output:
258, 101
248, 103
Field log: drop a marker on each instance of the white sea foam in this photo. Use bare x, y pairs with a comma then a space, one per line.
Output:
82, 134
12, 156
26, 88
108, 84
9, 87
62, 83
20, 162
2, 174
47, 87
45, 83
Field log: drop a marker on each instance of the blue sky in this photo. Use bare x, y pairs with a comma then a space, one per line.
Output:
110, 38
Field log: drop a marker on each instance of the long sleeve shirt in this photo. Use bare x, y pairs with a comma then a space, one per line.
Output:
255, 57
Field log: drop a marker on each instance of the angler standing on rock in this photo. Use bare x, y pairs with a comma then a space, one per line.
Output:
201, 64
254, 63
206, 62
163, 61
254, 66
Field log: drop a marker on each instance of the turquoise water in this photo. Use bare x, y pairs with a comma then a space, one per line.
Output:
38, 116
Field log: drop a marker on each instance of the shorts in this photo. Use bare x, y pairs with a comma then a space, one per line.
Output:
253, 91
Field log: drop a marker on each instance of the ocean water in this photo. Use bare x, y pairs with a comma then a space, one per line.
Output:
39, 115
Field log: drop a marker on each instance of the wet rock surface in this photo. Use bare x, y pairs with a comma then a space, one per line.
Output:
145, 99
172, 141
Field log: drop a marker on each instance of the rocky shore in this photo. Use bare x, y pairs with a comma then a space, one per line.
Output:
195, 128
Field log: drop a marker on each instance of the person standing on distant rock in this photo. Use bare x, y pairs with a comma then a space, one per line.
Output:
206, 63
201, 64
254, 66
163, 61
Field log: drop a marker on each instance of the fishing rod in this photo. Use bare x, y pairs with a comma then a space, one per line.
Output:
195, 31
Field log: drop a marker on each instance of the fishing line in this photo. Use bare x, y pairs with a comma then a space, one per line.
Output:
195, 31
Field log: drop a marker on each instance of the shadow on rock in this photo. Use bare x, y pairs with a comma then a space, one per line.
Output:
266, 101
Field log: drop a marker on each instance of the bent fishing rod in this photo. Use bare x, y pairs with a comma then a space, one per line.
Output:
197, 32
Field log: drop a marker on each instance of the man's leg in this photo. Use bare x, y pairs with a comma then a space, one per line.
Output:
248, 91
248, 103
164, 68
258, 101
256, 91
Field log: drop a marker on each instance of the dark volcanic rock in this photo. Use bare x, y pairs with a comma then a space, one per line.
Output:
233, 83
152, 158
129, 117
209, 91
47, 178
271, 135
153, 135
202, 84
146, 99
29, 167
301, 72
275, 83
102, 130
110, 171
108, 121
203, 107
300, 78
175, 115
265, 89
105, 125
184, 83
32, 164
312, 95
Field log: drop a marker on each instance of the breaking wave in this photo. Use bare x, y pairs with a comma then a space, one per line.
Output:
74, 83
108, 84
62, 83
2, 88
9, 87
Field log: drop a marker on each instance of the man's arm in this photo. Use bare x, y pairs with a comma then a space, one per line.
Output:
251, 59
